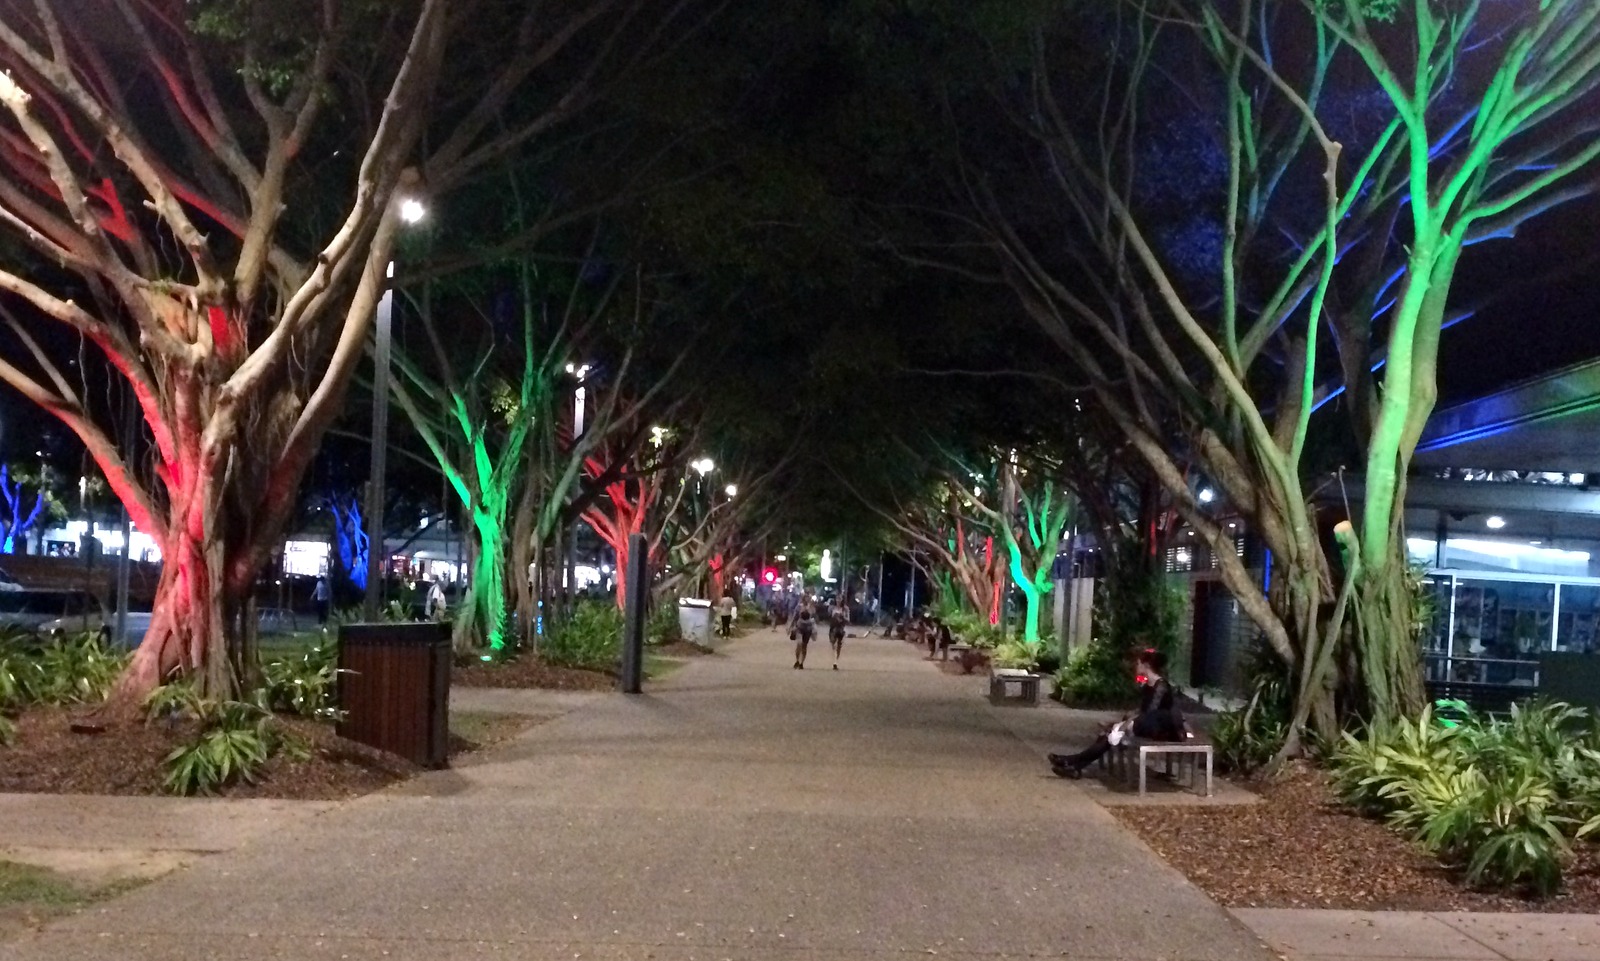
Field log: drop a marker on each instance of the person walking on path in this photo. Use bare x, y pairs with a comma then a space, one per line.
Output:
838, 620
322, 600
728, 608
802, 628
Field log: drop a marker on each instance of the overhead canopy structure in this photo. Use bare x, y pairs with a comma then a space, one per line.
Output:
1549, 423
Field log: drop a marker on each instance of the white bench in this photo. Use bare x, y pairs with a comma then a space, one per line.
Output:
1137, 751
1027, 684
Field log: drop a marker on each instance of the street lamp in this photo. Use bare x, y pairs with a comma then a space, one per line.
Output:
704, 466
412, 211
732, 489
579, 396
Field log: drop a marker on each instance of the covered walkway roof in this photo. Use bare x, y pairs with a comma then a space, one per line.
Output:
1549, 423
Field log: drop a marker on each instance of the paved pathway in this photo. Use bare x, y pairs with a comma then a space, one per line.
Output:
1416, 936
741, 810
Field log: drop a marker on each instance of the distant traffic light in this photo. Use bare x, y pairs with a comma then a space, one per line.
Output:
769, 576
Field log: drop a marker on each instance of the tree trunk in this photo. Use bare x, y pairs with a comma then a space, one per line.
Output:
621, 547
1034, 603
522, 561
482, 619
187, 633
1385, 641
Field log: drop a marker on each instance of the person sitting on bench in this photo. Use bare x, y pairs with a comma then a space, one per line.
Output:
1158, 719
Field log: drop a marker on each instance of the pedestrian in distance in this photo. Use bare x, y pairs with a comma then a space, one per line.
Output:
838, 620
802, 628
728, 609
436, 607
322, 600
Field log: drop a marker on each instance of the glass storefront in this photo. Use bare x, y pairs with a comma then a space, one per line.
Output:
1488, 627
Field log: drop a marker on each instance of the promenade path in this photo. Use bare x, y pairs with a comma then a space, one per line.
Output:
739, 810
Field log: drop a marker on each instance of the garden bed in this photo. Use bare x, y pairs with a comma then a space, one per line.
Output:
679, 648
1299, 848
49, 758
531, 672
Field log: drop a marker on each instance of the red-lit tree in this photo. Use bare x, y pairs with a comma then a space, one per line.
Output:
206, 195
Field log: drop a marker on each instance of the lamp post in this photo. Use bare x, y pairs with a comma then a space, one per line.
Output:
412, 211
570, 576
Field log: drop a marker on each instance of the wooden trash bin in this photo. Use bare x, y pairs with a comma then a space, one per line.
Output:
394, 689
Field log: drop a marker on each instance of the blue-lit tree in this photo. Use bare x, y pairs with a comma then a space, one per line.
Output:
18, 515
349, 539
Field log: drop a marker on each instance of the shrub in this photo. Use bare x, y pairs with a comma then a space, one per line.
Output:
303, 685
1248, 738
963, 624
1097, 675
1137, 610
1499, 798
74, 670
985, 636
174, 700
972, 659
234, 741
590, 639
1019, 654
13, 671
663, 626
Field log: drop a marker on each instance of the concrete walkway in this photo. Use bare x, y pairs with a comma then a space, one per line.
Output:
1416, 936
741, 810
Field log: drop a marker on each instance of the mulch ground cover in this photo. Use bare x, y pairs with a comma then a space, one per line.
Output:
127, 759
530, 672
679, 649
1299, 848
49, 757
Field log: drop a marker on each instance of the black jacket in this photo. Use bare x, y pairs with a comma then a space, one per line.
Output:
1159, 718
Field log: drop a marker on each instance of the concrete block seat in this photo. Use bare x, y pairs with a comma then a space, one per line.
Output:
1027, 683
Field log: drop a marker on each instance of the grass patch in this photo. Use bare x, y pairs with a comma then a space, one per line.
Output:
25, 884
658, 668
294, 644
31, 896
482, 729
31, 886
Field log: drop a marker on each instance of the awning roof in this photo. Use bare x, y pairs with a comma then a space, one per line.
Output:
1550, 423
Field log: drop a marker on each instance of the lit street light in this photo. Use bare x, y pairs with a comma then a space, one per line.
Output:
733, 490
704, 466
412, 211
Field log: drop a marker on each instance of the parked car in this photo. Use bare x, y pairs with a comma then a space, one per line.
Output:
30, 609
98, 621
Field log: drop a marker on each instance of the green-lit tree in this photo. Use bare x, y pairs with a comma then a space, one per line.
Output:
499, 418
1029, 512
1332, 254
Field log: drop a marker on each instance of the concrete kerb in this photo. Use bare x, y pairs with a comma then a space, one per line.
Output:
1314, 935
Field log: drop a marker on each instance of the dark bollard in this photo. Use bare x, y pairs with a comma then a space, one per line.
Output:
632, 679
